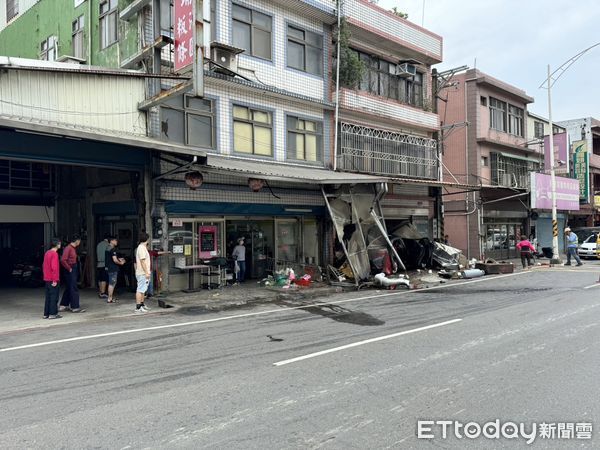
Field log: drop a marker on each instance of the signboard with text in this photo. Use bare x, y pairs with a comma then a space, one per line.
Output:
567, 192
581, 166
561, 153
184, 29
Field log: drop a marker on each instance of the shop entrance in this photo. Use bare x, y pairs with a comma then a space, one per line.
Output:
259, 242
501, 239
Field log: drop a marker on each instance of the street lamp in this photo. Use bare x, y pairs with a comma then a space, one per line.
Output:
553, 78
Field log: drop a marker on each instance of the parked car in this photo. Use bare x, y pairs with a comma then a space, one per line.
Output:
589, 247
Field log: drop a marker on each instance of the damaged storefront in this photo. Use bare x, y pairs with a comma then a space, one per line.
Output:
279, 210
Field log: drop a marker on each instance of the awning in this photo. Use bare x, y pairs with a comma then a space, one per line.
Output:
288, 172
522, 158
58, 131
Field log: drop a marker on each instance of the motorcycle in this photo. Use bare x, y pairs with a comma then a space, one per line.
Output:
27, 275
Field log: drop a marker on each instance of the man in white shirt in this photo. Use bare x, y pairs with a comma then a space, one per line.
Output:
142, 272
239, 254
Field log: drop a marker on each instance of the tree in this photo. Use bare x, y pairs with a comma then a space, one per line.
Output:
351, 67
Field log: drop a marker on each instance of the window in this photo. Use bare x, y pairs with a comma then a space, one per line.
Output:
515, 120
483, 101
76, 3
252, 131
109, 16
49, 49
538, 129
382, 78
252, 31
12, 9
497, 114
304, 50
484, 161
78, 41
304, 139
189, 120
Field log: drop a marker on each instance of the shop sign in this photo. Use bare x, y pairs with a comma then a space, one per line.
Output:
567, 192
597, 201
177, 222
184, 33
560, 153
581, 167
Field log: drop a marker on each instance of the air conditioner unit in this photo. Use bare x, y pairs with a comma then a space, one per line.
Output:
224, 57
406, 70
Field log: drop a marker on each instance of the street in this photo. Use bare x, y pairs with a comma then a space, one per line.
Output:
356, 370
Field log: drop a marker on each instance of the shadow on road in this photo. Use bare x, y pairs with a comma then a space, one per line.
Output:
337, 313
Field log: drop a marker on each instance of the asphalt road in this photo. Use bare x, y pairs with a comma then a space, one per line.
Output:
521, 348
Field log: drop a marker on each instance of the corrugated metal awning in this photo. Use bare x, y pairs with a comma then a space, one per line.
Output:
288, 172
141, 142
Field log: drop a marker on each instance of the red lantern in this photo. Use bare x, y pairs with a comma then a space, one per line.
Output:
256, 184
194, 180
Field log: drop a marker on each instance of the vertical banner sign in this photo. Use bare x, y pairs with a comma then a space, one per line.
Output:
185, 29
561, 148
582, 168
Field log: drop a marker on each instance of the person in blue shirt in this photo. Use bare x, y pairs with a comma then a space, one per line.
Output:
572, 244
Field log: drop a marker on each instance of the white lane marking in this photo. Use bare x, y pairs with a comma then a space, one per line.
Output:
252, 314
366, 341
593, 285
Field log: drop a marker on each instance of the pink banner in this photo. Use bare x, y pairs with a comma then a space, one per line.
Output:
184, 33
567, 192
561, 158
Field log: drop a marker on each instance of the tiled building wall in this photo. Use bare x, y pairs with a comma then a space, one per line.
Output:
377, 19
279, 107
275, 72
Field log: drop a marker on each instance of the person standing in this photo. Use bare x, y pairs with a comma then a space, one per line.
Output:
101, 275
70, 298
112, 262
239, 254
572, 244
51, 272
526, 248
142, 272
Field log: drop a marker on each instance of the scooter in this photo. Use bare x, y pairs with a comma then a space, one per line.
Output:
27, 275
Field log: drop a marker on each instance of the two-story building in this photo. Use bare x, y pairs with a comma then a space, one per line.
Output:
490, 151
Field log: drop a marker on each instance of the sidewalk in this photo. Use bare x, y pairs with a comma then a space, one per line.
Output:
22, 308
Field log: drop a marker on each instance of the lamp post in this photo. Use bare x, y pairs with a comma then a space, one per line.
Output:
550, 80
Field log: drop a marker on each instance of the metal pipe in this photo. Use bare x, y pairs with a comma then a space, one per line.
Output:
337, 86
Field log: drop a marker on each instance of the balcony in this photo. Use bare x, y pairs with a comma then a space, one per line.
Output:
385, 31
373, 151
511, 170
387, 110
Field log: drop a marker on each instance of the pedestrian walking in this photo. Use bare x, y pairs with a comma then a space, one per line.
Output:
239, 255
101, 274
142, 273
526, 248
51, 272
572, 245
112, 263
70, 298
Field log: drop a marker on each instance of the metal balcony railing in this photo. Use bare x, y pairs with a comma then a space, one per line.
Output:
369, 150
511, 172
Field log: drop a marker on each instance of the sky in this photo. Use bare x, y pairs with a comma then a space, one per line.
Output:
515, 40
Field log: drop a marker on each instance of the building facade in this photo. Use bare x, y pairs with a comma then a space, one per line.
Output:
489, 150
584, 137
268, 127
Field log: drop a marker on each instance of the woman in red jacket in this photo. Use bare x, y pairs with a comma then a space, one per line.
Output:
51, 270
526, 250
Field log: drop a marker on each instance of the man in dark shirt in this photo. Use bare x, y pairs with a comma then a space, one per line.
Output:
70, 298
112, 262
